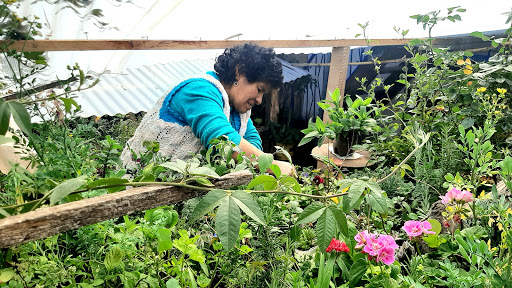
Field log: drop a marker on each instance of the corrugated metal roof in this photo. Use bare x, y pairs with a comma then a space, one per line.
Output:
138, 89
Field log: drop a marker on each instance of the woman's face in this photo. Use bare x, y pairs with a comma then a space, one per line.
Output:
245, 95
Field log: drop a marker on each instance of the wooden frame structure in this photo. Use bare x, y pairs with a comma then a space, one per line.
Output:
54, 220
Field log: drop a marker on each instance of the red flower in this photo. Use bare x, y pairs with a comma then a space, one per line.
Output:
338, 246
318, 180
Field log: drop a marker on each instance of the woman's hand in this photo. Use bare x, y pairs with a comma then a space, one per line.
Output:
286, 168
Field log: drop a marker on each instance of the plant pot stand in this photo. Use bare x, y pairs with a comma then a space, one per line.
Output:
348, 163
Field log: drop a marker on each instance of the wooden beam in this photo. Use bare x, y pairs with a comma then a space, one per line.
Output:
50, 221
83, 45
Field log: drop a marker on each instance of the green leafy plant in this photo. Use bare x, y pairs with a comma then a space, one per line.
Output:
358, 117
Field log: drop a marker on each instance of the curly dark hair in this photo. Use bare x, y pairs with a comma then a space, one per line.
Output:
256, 63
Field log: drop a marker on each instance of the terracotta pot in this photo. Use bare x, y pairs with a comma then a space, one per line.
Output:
343, 144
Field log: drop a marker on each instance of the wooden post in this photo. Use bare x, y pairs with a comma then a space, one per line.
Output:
274, 105
337, 72
50, 221
337, 79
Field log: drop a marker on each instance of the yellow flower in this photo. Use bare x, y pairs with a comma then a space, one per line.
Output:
468, 69
460, 62
468, 61
97, 119
501, 90
481, 89
489, 246
509, 211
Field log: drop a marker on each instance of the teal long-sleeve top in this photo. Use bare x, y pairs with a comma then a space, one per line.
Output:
199, 104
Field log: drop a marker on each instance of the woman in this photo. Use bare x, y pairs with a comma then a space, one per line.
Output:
207, 106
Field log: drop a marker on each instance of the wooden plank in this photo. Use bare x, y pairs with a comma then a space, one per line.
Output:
82, 45
50, 221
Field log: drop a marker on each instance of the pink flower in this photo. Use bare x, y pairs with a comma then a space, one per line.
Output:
338, 246
362, 238
415, 229
386, 255
457, 196
378, 247
426, 226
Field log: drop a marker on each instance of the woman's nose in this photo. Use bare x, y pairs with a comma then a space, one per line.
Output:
259, 99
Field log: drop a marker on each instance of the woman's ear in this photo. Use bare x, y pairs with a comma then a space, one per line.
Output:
237, 75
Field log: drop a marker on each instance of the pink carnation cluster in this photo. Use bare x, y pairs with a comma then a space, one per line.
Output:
338, 246
378, 246
457, 196
416, 229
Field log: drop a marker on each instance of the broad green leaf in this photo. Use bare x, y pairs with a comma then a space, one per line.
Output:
378, 202
436, 226
341, 220
207, 204
294, 233
197, 255
357, 270
250, 207
467, 122
4, 139
462, 242
4, 213
114, 258
106, 181
506, 166
320, 124
65, 188
290, 182
375, 187
477, 34
335, 95
269, 182
311, 213
325, 229
482, 247
464, 253
6, 275
164, 239
305, 140
286, 154
227, 222
204, 171
264, 162
5, 116
324, 106
191, 277
462, 131
432, 240
21, 116
343, 262
172, 283
276, 170
355, 191
204, 181
68, 102
175, 166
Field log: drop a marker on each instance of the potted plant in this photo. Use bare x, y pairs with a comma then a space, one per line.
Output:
350, 121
